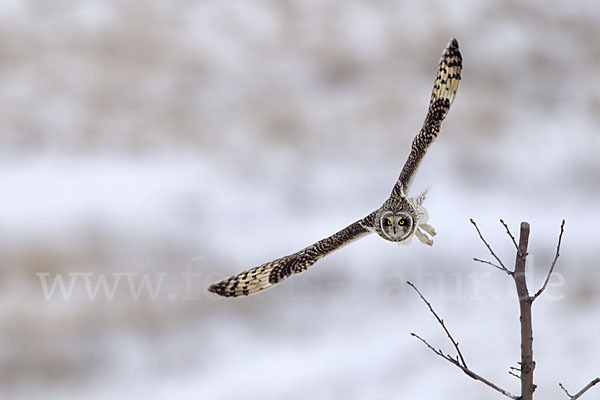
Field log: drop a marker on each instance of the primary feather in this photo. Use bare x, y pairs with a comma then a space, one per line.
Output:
444, 89
266, 275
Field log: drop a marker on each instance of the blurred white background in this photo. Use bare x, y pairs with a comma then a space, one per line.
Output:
172, 144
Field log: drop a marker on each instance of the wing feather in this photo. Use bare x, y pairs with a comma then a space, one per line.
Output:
266, 275
443, 93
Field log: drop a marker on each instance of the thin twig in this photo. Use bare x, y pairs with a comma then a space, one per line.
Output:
565, 390
466, 370
441, 321
513, 374
459, 361
518, 375
581, 392
488, 263
510, 234
539, 292
525, 373
503, 268
436, 351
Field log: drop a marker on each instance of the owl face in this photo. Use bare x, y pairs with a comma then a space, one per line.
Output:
400, 217
396, 226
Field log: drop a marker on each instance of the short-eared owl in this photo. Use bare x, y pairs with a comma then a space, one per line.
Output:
397, 220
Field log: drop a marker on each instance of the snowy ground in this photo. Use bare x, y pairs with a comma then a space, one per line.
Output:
162, 148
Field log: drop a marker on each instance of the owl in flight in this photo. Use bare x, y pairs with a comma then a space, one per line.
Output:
397, 220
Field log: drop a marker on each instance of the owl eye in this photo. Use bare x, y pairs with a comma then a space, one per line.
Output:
402, 221
387, 222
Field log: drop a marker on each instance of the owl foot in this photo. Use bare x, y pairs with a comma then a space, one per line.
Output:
428, 228
422, 236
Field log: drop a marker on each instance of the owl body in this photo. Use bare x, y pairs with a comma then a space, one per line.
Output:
397, 220
401, 217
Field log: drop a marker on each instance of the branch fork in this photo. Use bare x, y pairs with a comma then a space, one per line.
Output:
527, 365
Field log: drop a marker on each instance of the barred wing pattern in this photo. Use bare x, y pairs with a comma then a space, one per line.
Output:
266, 275
269, 274
444, 89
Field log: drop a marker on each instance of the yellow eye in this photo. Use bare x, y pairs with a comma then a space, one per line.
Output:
388, 222
401, 222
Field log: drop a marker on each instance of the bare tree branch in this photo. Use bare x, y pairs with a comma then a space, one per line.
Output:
539, 292
502, 267
459, 361
515, 374
466, 370
527, 363
441, 321
509, 234
565, 390
488, 263
582, 391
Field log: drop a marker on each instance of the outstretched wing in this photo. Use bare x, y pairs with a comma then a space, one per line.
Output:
444, 90
266, 275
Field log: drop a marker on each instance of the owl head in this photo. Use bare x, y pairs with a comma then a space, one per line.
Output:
399, 217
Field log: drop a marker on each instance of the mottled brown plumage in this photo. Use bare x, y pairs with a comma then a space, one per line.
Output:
266, 275
397, 220
442, 95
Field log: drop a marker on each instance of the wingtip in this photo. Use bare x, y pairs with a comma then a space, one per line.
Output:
217, 289
454, 43
214, 289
